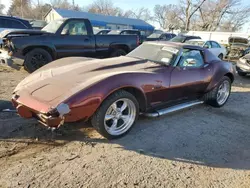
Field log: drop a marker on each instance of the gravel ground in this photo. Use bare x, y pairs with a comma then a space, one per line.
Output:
200, 147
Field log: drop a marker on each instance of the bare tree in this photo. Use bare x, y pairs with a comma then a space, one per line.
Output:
20, 8
168, 16
226, 15
39, 9
188, 9
141, 13
64, 4
104, 7
2, 7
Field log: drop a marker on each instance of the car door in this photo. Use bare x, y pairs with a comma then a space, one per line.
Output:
216, 49
190, 77
73, 40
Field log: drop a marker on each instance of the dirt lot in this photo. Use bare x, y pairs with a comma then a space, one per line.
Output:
200, 147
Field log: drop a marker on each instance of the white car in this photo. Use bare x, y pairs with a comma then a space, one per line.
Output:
213, 46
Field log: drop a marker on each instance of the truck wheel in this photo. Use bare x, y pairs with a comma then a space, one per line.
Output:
116, 115
118, 52
220, 94
35, 59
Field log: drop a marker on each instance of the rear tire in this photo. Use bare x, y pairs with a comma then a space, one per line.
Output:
215, 97
113, 119
118, 52
36, 58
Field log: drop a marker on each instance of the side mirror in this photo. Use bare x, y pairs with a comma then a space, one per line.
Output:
65, 32
190, 62
206, 46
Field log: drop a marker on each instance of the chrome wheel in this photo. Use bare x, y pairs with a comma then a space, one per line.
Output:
223, 92
120, 116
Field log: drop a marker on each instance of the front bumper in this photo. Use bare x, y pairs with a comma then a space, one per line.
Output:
6, 59
242, 67
43, 118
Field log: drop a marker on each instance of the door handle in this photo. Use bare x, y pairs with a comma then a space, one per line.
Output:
86, 40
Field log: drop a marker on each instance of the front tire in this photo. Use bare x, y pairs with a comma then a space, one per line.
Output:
116, 115
118, 52
220, 94
35, 59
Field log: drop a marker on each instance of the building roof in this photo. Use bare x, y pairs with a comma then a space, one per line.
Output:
103, 20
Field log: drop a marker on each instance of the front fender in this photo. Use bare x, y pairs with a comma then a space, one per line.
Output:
85, 103
48, 46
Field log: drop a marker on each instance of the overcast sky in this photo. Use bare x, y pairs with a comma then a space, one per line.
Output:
131, 4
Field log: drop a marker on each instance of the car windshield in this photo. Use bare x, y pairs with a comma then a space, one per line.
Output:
159, 53
53, 26
154, 35
197, 43
114, 32
178, 39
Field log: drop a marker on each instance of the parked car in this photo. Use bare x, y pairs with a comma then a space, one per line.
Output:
238, 47
213, 46
62, 38
37, 24
8, 22
128, 32
184, 38
243, 65
101, 31
160, 37
154, 79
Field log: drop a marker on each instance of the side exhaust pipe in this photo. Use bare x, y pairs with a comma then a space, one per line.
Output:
9, 110
173, 109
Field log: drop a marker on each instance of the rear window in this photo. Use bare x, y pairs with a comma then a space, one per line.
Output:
11, 23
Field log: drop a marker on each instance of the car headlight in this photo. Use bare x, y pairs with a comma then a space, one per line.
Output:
63, 109
243, 60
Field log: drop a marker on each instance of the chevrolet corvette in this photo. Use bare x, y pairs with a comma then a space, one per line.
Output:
154, 79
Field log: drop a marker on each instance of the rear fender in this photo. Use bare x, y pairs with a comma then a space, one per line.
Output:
219, 72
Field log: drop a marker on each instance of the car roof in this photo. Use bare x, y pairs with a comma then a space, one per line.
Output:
13, 17
197, 40
175, 45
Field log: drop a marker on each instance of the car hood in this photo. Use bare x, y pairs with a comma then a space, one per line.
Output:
56, 82
20, 32
237, 40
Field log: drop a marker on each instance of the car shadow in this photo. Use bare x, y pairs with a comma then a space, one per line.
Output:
201, 135
4, 104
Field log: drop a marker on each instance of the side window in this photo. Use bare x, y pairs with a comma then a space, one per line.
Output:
163, 36
191, 58
3, 23
16, 24
215, 45
75, 28
208, 45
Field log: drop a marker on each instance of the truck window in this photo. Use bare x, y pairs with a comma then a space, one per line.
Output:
17, 24
75, 27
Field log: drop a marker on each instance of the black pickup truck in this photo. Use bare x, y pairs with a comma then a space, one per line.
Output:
61, 38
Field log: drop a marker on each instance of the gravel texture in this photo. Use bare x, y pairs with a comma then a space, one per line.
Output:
200, 147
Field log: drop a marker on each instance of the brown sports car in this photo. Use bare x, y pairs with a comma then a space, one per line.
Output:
155, 79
